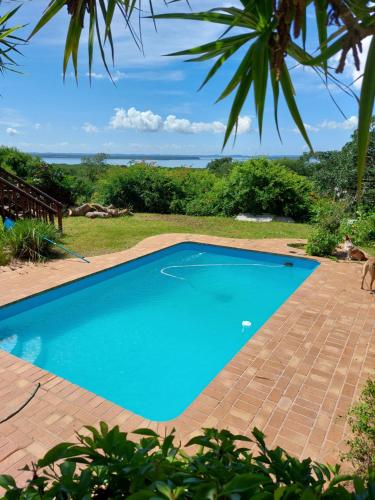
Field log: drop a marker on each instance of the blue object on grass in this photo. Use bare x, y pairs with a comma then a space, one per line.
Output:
8, 223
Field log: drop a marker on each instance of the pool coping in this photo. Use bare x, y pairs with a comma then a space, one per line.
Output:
299, 406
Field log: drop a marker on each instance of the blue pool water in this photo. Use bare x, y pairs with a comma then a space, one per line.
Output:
151, 334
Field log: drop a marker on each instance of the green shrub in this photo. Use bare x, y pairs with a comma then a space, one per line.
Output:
207, 198
220, 166
327, 217
262, 186
362, 422
142, 187
51, 179
194, 187
361, 229
4, 255
328, 214
26, 240
55, 182
18, 163
322, 242
107, 464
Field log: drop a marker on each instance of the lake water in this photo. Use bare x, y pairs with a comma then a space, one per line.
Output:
175, 162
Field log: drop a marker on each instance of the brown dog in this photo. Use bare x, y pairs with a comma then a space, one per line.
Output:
353, 252
369, 266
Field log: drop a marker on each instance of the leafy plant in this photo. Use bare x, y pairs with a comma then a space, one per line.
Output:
94, 166
48, 178
26, 240
335, 171
220, 166
322, 242
327, 216
267, 35
361, 229
106, 463
362, 422
262, 186
4, 255
143, 187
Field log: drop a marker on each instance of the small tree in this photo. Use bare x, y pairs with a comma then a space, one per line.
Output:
96, 166
220, 166
336, 171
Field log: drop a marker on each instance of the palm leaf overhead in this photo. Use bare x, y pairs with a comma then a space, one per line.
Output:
269, 36
9, 42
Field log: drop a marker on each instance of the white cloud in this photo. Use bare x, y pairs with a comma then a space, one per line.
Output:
171, 76
311, 128
139, 120
37, 126
116, 76
89, 128
12, 131
349, 124
184, 126
308, 127
97, 76
244, 124
149, 121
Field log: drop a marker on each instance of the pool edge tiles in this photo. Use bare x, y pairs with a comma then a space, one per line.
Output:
123, 268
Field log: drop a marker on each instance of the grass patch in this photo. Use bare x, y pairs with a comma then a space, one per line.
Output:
4, 257
100, 236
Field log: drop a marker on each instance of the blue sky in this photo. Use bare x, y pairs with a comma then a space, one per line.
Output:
155, 106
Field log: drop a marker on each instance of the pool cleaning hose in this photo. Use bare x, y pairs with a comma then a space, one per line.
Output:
164, 269
67, 250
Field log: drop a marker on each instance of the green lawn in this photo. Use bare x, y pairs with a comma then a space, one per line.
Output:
99, 236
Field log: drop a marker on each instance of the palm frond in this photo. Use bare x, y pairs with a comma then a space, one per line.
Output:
9, 42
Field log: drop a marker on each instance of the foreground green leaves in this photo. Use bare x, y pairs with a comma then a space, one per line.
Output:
107, 463
361, 445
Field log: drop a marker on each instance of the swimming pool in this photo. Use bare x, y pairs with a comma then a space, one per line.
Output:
152, 333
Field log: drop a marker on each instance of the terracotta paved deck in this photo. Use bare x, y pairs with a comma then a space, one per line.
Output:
295, 379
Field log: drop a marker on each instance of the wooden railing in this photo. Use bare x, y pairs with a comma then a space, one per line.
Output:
19, 200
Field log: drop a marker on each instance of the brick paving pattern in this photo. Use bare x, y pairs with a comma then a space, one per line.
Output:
295, 379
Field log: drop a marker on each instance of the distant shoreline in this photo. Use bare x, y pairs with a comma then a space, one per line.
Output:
170, 161
154, 157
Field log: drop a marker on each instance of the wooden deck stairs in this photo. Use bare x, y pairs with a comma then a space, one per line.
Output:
21, 200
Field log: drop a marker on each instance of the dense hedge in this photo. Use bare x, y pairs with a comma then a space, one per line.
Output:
144, 188
224, 188
255, 186
106, 463
262, 186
